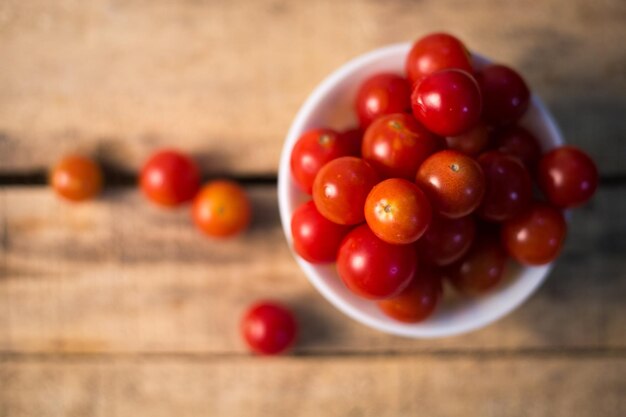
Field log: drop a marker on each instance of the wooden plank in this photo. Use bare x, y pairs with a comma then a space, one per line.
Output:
344, 386
224, 79
119, 275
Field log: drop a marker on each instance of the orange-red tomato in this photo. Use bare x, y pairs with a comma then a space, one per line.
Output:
454, 183
397, 211
397, 144
418, 301
76, 178
536, 236
341, 187
170, 178
221, 209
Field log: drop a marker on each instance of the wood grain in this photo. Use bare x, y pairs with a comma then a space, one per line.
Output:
118, 275
223, 80
353, 386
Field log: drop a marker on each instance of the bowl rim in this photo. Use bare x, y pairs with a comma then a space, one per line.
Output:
285, 209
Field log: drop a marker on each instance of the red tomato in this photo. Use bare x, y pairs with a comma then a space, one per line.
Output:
312, 151
447, 102
269, 328
397, 211
436, 52
221, 209
341, 187
508, 186
170, 178
396, 145
481, 269
536, 236
76, 178
417, 301
454, 183
446, 240
519, 142
315, 238
472, 142
382, 94
567, 176
372, 268
505, 94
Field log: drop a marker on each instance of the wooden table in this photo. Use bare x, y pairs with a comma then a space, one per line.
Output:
116, 308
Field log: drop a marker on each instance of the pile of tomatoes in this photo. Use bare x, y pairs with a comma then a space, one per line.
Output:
437, 183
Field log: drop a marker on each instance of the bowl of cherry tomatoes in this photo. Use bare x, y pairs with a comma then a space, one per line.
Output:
423, 188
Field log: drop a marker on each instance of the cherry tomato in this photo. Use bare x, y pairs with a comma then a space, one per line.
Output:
446, 240
536, 236
396, 145
567, 176
170, 178
454, 183
315, 238
382, 94
447, 102
76, 178
372, 268
436, 52
312, 151
519, 142
397, 211
417, 301
269, 328
221, 209
341, 187
481, 269
472, 142
505, 94
508, 186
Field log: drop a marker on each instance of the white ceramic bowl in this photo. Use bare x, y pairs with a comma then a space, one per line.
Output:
330, 105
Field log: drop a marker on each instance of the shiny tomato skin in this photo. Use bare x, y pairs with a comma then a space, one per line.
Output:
454, 183
447, 102
341, 187
269, 328
481, 269
382, 94
508, 186
170, 178
76, 178
506, 95
519, 142
397, 211
446, 240
397, 144
472, 142
536, 236
418, 301
372, 268
436, 52
312, 151
222, 209
315, 238
567, 176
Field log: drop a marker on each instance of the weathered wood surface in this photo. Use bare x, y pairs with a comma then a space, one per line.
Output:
119, 275
342, 386
224, 79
